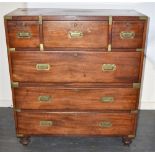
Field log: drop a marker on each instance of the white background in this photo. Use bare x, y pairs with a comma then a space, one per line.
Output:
147, 100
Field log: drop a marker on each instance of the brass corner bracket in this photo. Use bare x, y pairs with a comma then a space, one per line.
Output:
136, 85
131, 136
17, 110
109, 47
11, 49
143, 18
40, 20
8, 17
19, 135
41, 47
110, 20
14, 84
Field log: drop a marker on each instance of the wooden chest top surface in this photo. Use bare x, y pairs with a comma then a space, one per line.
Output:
73, 12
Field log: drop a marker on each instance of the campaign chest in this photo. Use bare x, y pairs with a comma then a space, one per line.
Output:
75, 72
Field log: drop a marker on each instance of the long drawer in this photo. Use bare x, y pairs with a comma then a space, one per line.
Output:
76, 66
76, 99
55, 123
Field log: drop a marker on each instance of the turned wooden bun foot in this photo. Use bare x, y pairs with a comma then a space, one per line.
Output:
25, 140
126, 140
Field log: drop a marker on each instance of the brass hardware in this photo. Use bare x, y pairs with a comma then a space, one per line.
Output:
17, 110
134, 111
44, 98
19, 135
127, 35
131, 136
105, 124
45, 67
136, 85
8, 17
24, 35
139, 49
109, 47
40, 20
14, 84
46, 123
107, 99
41, 47
110, 20
12, 49
75, 34
143, 17
108, 67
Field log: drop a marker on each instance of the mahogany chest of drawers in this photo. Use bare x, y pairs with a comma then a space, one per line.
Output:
75, 72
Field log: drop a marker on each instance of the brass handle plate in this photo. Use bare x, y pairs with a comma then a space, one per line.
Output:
43, 67
24, 35
107, 99
75, 34
127, 35
105, 124
46, 123
44, 98
108, 67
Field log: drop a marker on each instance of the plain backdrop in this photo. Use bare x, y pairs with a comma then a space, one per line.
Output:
147, 100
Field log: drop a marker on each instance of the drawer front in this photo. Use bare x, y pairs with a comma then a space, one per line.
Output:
127, 34
75, 34
75, 67
23, 34
76, 99
76, 123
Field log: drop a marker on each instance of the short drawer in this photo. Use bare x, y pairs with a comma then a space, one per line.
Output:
55, 123
76, 99
127, 34
75, 34
23, 34
76, 66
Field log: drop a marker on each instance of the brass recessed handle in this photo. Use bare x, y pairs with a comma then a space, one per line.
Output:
43, 67
107, 99
44, 98
75, 34
24, 35
105, 124
108, 67
45, 123
127, 35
